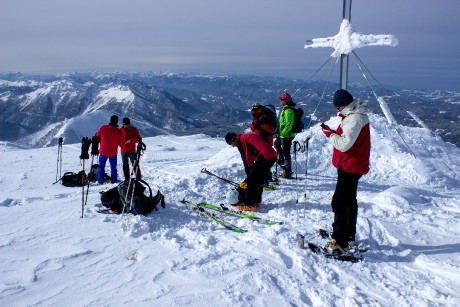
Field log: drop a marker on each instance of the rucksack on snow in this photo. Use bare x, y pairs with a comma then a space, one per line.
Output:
119, 197
71, 179
92, 174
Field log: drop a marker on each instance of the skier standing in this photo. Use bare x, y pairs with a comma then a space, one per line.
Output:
129, 138
110, 138
351, 150
285, 137
258, 157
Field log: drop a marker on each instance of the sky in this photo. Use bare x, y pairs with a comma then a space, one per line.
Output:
408, 219
259, 37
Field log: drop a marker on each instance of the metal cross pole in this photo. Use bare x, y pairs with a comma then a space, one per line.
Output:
346, 15
346, 40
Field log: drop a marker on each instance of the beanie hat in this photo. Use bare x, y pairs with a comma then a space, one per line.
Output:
341, 98
126, 121
230, 137
114, 120
285, 97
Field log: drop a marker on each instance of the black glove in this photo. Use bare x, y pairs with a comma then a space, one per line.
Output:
95, 146
85, 143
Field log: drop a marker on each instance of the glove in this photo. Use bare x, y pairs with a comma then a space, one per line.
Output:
85, 143
95, 146
327, 130
244, 185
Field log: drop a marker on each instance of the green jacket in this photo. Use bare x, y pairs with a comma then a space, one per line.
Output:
287, 119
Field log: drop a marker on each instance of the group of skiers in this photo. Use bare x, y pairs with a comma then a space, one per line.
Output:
111, 137
351, 152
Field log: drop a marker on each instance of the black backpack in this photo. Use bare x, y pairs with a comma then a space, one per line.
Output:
119, 197
92, 175
71, 179
271, 118
298, 124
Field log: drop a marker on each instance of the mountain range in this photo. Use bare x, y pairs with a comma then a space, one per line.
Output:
35, 110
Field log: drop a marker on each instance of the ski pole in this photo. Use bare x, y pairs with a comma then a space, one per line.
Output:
236, 185
204, 170
94, 152
83, 190
306, 174
141, 147
85, 143
295, 156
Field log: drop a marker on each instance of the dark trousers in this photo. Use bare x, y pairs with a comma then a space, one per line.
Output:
113, 169
255, 179
345, 207
125, 158
283, 148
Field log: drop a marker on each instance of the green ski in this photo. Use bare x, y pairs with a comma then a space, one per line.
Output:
200, 210
241, 214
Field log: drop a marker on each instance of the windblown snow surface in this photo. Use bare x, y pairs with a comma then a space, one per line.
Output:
408, 215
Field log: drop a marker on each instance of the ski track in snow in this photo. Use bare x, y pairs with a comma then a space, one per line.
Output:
408, 216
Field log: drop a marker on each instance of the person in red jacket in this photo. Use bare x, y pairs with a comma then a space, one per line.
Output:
129, 138
352, 146
258, 157
110, 138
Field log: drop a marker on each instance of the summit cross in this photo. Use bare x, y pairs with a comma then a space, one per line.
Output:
347, 40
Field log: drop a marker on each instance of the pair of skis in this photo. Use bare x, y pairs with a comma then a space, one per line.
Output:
209, 211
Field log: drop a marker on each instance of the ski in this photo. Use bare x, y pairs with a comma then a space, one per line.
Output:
201, 210
341, 257
361, 248
107, 211
241, 214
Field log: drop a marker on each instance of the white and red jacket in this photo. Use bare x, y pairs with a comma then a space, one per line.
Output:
352, 140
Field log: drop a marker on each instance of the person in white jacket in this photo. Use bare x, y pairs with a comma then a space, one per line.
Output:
352, 145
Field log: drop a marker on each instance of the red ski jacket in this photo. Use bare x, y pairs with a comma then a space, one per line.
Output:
110, 137
252, 147
129, 138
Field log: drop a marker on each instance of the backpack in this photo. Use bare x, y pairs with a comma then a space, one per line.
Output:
271, 118
71, 179
115, 198
92, 174
111, 199
298, 124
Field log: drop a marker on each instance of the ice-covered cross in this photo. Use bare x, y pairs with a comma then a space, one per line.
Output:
347, 40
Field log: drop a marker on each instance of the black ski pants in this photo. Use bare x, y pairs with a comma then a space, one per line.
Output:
125, 158
345, 207
256, 177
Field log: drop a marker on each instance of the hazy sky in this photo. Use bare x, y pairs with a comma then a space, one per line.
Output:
261, 37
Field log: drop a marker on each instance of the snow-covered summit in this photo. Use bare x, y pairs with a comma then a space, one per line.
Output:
408, 216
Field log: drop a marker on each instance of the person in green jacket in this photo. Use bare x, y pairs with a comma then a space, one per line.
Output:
287, 118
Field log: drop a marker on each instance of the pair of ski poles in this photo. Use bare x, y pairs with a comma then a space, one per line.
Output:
298, 147
59, 160
141, 147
